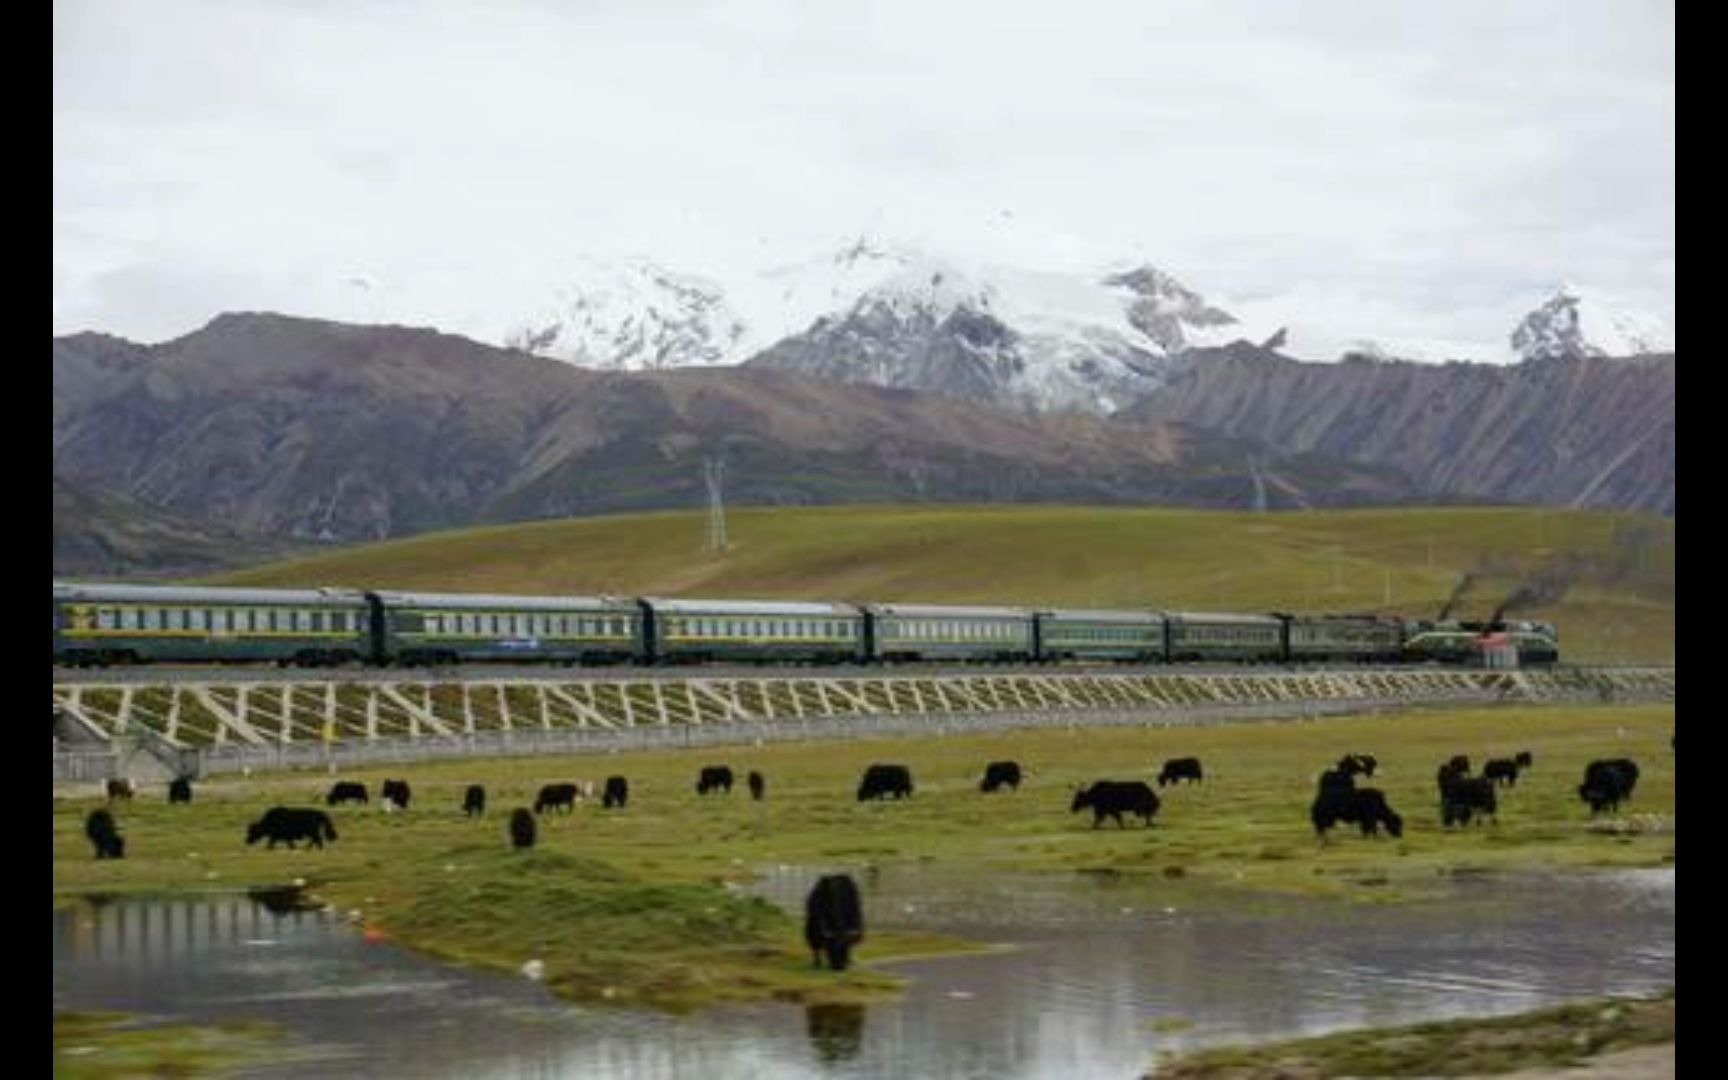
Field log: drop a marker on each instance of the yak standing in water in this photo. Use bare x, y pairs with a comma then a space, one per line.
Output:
833, 920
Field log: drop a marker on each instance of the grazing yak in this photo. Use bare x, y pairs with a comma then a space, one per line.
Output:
833, 920
180, 790
1501, 771
999, 774
881, 781
119, 789
343, 791
1364, 807
1463, 796
396, 793
553, 796
617, 792
714, 778
1365, 764
474, 801
758, 785
1181, 768
1113, 798
1455, 769
104, 835
1608, 783
289, 824
522, 828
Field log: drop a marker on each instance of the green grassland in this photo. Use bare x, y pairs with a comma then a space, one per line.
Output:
636, 906
1617, 603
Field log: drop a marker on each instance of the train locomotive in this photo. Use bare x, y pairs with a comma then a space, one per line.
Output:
102, 624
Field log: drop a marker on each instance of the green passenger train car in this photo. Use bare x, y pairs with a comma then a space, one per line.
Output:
451, 628
99, 624
905, 632
754, 631
1121, 636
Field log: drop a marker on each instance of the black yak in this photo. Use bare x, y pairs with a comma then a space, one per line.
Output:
522, 828
180, 790
833, 920
474, 800
553, 796
881, 781
999, 774
758, 785
104, 835
1501, 770
343, 791
1463, 796
119, 789
1364, 807
617, 792
287, 825
1364, 764
1181, 768
1608, 783
396, 791
714, 778
1113, 798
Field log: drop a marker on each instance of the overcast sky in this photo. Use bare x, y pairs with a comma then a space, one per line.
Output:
1406, 171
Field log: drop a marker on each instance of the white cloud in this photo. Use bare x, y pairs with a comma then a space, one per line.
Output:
1441, 163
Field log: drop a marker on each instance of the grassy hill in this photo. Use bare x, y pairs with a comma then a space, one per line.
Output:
1606, 579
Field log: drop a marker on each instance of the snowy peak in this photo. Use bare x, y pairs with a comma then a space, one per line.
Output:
1576, 322
634, 315
1167, 311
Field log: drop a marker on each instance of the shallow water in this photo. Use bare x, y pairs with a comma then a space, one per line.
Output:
1099, 975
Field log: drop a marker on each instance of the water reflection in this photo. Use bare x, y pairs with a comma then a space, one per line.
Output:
1103, 974
836, 1031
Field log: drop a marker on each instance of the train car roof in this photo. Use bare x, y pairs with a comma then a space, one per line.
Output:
1100, 615
111, 592
471, 601
1224, 617
934, 611
750, 607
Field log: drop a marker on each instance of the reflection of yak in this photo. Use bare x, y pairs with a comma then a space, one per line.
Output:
714, 778
104, 835
285, 824
836, 1031
522, 828
758, 785
833, 920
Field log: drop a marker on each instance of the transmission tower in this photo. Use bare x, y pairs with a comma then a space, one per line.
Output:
713, 472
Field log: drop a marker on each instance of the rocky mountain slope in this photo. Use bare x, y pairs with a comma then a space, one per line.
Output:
1574, 431
302, 429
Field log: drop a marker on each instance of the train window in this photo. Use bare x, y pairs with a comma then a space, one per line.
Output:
317, 621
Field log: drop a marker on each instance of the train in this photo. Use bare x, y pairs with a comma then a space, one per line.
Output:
97, 625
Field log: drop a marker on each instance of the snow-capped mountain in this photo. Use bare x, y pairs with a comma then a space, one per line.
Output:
1037, 340
634, 315
892, 316
1575, 322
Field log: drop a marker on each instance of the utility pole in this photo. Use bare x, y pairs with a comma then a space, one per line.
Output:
713, 473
